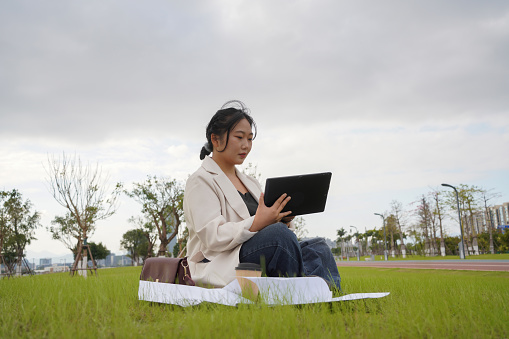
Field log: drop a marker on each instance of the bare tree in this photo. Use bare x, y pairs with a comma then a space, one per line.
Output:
433, 229
252, 171
424, 222
469, 204
162, 202
399, 216
300, 228
82, 190
438, 211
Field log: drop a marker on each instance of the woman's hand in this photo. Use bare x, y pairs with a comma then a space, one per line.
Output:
266, 216
287, 220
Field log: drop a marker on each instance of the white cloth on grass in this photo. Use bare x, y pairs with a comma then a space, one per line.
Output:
273, 291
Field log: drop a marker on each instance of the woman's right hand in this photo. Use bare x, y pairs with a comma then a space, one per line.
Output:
266, 216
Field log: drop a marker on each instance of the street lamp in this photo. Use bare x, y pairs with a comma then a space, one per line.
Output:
385, 237
462, 248
358, 245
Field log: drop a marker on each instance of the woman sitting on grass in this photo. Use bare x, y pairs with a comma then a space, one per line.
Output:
227, 218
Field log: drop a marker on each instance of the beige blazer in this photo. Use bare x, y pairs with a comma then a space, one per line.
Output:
218, 222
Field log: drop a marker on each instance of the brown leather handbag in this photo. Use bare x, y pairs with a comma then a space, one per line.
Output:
167, 270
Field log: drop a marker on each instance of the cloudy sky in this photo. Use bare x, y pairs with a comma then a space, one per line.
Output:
393, 97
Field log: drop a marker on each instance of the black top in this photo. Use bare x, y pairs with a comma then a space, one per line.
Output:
251, 203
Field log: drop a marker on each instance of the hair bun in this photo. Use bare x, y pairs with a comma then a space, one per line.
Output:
236, 104
205, 150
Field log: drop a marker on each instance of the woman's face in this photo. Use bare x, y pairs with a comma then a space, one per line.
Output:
239, 144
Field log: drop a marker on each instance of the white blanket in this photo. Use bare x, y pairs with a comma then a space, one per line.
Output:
273, 291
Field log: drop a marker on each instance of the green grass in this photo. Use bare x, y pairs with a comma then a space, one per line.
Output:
422, 303
503, 256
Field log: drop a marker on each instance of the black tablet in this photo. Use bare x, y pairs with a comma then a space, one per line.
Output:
308, 192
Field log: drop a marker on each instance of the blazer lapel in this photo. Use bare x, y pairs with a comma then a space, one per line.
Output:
232, 195
250, 185
230, 192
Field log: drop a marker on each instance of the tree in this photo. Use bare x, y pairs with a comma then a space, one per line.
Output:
377, 239
349, 248
252, 171
399, 216
469, 205
134, 242
424, 216
81, 189
180, 246
339, 240
4, 234
148, 228
416, 233
18, 223
99, 251
369, 234
4, 229
391, 226
504, 241
162, 202
66, 230
359, 237
300, 228
438, 211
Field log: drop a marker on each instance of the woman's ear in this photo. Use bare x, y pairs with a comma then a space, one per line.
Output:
216, 141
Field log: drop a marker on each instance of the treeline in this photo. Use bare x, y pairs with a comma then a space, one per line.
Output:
425, 225
82, 190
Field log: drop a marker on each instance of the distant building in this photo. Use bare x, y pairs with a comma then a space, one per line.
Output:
45, 262
498, 216
171, 245
110, 260
122, 260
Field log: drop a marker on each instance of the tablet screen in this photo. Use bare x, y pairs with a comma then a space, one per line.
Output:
308, 192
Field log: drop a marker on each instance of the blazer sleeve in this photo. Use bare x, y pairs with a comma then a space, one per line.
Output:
206, 210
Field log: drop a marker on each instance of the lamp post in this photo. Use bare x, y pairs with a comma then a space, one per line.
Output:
358, 245
385, 237
462, 247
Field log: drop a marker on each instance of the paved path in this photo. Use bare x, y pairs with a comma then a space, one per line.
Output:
469, 265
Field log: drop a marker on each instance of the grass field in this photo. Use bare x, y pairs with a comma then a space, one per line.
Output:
422, 303
503, 256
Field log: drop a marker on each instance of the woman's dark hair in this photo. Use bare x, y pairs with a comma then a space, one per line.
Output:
224, 121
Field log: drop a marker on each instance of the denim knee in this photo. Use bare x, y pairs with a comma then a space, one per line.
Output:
280, 232
278, 246
313, 241
273, 235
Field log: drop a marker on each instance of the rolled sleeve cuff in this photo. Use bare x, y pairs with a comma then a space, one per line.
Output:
245, 234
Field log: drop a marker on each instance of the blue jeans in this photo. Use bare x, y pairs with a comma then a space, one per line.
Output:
277, 249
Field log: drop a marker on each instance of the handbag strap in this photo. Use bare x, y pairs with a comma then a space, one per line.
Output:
184, 274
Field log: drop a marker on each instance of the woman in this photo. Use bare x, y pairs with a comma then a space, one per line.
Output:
228, 221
